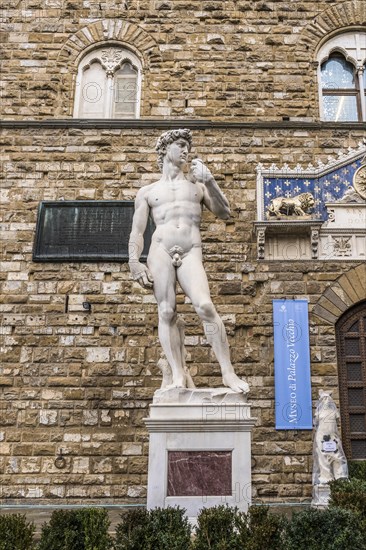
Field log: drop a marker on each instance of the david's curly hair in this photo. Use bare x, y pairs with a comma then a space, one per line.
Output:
167, 138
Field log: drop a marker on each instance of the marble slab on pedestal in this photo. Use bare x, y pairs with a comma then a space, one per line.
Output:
197, 473
200, 449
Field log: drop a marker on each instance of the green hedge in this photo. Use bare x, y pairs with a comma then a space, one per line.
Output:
81, 529
225, 528
157, 529
329, 529
340, 527
357, 469
350, 495
16, 533
217, 529
261, 530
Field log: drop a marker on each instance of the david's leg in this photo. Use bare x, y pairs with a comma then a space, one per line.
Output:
193, 280
163, 272
180, 325
216, 336
170, 341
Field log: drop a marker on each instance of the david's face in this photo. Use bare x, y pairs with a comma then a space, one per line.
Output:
177, 152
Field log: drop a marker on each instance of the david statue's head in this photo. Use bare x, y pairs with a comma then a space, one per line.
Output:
175, 146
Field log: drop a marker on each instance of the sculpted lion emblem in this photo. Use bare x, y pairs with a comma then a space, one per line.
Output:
298, 206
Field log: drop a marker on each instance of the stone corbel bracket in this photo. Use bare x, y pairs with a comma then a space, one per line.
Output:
308, 228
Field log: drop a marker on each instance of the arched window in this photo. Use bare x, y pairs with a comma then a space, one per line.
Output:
342, 80
340, 91
108, 84
351, 348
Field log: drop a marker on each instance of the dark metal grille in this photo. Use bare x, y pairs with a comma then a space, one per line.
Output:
357, 422
351, 347
358, 449
354, 327
354, 372
355, 397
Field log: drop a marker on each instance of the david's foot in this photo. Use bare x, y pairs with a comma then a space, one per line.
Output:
178, 382
235, 383
190, 384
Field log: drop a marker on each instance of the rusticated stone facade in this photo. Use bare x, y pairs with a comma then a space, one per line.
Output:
217, 58
80, 383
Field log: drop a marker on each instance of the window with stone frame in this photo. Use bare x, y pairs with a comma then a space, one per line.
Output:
108, 84
342, 78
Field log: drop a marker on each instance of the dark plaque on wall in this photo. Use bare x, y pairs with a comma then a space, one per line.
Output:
85, 231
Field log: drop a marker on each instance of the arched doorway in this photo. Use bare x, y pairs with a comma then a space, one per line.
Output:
351, 350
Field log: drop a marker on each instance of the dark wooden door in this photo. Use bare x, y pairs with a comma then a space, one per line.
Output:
351, 347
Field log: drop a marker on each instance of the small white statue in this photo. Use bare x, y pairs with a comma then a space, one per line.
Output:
329, 459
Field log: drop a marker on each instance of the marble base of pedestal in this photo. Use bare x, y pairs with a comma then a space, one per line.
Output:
200, 449
321, 496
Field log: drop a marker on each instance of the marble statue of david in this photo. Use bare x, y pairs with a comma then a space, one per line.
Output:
175, 204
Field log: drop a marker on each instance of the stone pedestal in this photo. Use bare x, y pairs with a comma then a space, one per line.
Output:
321, 496
200, 449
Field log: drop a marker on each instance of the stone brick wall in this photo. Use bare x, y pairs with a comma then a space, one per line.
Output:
82, 382
216, 58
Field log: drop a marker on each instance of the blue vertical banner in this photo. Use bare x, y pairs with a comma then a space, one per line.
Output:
292, 365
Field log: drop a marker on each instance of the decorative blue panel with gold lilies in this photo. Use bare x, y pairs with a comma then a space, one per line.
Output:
327, 183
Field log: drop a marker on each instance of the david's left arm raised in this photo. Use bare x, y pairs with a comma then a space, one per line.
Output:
213, 198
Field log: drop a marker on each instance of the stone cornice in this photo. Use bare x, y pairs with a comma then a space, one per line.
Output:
191, 425
199, 124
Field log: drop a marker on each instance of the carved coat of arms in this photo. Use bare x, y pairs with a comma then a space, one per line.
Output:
359, 180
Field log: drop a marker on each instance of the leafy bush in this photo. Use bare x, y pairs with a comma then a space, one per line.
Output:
132, 531
351, 495
357, 469
95, 523
261, 530
16, 533
63, 531
330, 529
83, 529
224, 528
217, 529
158, 529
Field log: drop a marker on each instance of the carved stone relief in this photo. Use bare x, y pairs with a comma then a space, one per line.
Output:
359, 180
342, 246
261, 240
300, 206
327, 223
314, 243
111, 59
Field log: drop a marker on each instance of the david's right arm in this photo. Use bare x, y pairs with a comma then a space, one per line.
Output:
138, 270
